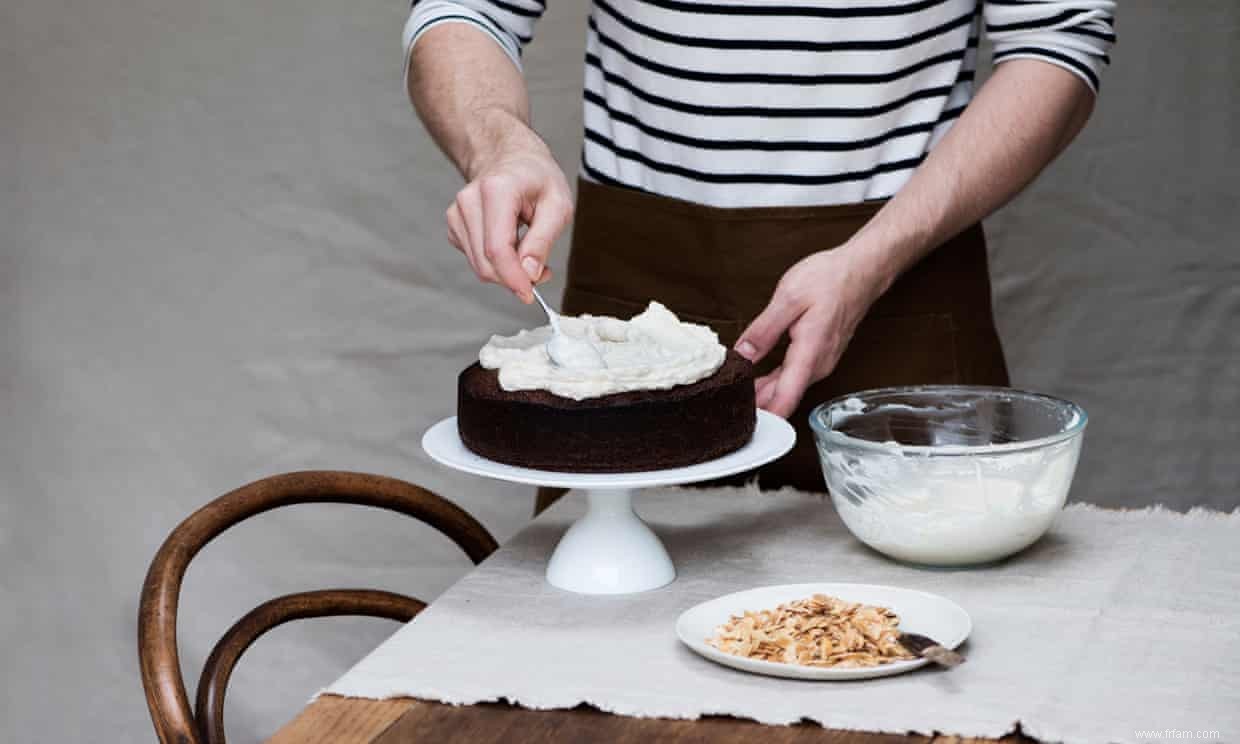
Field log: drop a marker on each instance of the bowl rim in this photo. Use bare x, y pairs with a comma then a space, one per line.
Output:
837, 438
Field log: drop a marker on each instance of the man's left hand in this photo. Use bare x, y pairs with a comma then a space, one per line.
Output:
818, 303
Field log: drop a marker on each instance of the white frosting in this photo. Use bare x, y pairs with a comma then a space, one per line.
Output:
574, 353
957, 510
653, 350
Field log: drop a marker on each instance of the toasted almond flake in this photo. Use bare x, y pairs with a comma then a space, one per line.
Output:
820, 631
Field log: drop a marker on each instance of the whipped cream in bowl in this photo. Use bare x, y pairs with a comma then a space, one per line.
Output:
948, 475
653, 350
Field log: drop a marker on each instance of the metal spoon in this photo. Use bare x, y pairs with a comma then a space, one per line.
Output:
564, 350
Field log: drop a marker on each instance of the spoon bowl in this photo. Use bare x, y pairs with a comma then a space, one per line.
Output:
563, 349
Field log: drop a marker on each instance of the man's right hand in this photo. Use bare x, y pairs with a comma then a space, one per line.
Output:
516, 182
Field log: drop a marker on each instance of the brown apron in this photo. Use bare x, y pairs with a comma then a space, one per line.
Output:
719, 267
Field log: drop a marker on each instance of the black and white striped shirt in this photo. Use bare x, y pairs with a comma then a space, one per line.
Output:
737, 103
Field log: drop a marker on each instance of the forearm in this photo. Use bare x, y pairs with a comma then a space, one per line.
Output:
469, 94
1021, 119
472, 98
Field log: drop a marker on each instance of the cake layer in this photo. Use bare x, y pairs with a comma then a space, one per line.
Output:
623, 432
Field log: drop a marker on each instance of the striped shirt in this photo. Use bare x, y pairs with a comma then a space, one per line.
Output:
736, 103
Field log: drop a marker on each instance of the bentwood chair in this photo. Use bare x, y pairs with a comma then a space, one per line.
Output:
157, 615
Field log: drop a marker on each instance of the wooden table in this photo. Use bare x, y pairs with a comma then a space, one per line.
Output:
339, 720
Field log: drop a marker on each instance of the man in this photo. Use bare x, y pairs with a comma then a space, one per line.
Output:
808, 178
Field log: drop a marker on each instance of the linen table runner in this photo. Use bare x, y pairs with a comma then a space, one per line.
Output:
1115, 627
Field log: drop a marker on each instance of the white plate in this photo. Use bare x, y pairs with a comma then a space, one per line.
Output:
920, 612
772, 438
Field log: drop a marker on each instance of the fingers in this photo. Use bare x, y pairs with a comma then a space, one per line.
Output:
764, 387
501, 206
766, 329
466, 213
457, 234
794, 374
552, 214
484, 222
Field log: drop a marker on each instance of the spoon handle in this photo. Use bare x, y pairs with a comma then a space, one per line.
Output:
928, 648
552, 317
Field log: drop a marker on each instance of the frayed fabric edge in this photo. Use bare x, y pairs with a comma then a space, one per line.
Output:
981, 730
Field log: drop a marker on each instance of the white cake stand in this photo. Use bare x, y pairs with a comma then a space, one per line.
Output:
611, 550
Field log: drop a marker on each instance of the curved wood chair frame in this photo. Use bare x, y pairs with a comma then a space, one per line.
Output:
166, 697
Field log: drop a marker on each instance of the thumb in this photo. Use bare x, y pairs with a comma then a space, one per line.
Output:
551, 215
766, 329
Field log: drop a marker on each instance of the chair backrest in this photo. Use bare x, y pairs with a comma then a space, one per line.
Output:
157, 614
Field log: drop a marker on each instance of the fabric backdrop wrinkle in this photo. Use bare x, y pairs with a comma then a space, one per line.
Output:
222, 256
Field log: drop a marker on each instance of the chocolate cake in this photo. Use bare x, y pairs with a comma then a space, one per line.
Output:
621, 432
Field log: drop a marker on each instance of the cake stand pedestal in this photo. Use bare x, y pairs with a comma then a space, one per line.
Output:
611, 550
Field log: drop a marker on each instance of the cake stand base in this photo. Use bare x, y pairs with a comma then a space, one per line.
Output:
610, 550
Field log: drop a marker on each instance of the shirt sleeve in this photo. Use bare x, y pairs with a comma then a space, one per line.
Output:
1073, 34
510, 23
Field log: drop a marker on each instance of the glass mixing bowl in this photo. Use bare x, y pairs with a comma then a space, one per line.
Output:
948, 475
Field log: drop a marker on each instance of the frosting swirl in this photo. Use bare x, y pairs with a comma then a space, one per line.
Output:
653, 350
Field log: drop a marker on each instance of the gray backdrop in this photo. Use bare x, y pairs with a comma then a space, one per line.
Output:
222, 257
